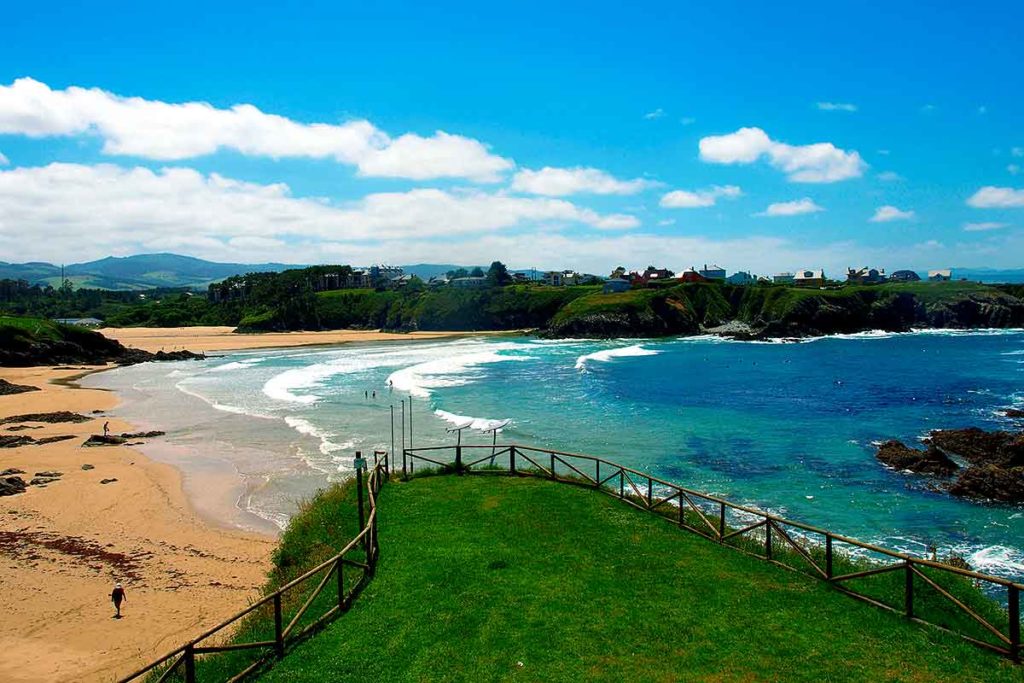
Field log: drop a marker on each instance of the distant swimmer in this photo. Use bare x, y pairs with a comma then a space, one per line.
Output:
374, 394
117, 596
366, 394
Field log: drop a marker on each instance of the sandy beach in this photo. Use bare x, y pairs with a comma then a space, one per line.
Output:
63, 545
212, 339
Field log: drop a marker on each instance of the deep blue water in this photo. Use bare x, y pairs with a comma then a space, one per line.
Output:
786, 427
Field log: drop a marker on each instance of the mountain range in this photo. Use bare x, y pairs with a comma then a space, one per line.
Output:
149, 271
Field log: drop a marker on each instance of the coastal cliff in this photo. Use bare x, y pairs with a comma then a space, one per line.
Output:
768, 312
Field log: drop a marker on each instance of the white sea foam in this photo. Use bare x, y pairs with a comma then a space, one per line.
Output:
608, 354
327, 446
450, 371
223, 407
237, 365
482, 424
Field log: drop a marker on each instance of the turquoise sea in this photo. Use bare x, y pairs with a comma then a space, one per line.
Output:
787, 427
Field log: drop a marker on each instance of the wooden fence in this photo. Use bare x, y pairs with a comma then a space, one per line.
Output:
925, 591
359, 557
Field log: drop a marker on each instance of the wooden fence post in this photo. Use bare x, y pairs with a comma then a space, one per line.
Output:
650, 491
721, 522
908, 590
1013, 607
458, 459
622, 484
512, 460
340, 566
828, 556
767, 538
597, 477
190, 663
278, 627
682, 511
552, 465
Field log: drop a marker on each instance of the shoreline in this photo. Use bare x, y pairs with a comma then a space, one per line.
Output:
223, 338
65, 544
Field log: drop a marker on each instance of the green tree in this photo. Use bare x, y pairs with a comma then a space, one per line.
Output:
497, 275
477, 272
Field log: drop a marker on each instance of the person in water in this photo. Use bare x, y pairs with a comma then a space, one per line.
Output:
117, 596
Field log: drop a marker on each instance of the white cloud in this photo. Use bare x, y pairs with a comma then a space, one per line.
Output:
4, 161
990, 197
890, 176
837, 106
980, 227
152, 129
884, 214
821, 162
794, 208
684, 199
656, 114
559, 182
87, 211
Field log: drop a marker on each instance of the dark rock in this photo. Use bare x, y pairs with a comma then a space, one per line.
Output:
141, 435
10, 486
932, 461
9, 472
991, 482
1013, 412
42, 481
6, 388
87, 466
49, 418
100, 440
49, 474
107, 481
54, 439
21, 428
1005, 449
14, 441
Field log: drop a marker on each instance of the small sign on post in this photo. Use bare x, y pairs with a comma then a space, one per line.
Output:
360, 462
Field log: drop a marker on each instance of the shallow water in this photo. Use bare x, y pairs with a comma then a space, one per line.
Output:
785, 427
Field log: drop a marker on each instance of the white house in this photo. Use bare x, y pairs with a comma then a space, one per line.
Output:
715, 272
809, 278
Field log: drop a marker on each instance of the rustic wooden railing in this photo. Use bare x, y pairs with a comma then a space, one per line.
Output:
926, 589
180, 663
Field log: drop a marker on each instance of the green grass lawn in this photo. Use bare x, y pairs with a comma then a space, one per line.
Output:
494, 578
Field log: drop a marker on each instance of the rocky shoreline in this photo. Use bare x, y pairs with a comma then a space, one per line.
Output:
968, 463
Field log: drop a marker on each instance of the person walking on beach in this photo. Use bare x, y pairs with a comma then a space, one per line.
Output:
106, 429
117, 596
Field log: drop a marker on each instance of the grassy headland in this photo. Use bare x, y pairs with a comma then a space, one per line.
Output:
488, 578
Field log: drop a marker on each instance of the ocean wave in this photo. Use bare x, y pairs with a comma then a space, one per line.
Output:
482, 424
327, 446
608, 354
223, 407
237, 365
452, 371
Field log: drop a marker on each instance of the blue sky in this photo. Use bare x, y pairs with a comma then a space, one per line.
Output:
583, 135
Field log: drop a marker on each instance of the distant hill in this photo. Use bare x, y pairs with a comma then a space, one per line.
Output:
990, 275
143, 271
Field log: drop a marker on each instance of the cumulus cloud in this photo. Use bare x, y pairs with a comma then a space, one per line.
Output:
107, 209
884, 214
982, 227
559, 182
837, 106
685, 199
821, 162
133, 126
990, 197
794, 208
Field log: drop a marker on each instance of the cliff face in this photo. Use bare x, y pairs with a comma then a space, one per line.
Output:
777, 312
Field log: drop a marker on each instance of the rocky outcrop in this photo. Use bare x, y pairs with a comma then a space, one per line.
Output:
49, 418
12, 441
7, 388
991, 482
995, 462
101, 440
141, 435
10, 486
900, 457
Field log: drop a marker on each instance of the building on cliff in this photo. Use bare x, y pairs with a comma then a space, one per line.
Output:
865, 276
941, 275
809, 278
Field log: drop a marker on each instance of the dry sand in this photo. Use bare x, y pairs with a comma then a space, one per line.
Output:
63, 546
212, 339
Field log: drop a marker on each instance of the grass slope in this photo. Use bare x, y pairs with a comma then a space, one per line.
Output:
486, 578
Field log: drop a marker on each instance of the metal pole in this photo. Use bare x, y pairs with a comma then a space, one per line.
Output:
403, 429
410, 422
393, 439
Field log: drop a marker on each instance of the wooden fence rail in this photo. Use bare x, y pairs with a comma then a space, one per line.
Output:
182, 660
793, 545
